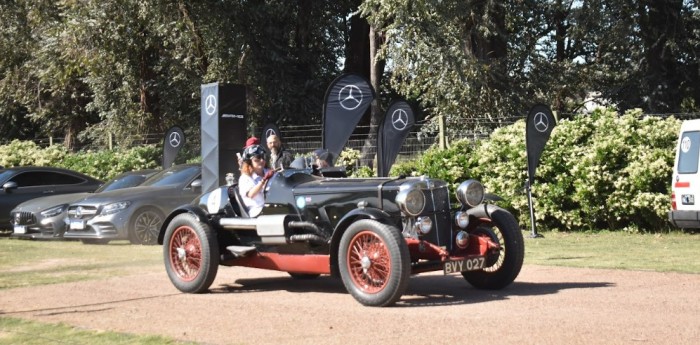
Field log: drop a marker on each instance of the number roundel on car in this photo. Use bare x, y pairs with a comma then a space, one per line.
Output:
301, 202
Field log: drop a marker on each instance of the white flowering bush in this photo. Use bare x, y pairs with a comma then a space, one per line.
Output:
598, 171
452, 165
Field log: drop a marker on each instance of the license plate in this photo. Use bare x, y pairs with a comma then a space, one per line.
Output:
20, 229
462, 265
77, 225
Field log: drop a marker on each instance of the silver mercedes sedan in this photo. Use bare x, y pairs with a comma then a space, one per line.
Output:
42, 218
133, 213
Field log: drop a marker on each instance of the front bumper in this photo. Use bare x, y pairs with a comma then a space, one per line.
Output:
685, 219
111, 227
48, 228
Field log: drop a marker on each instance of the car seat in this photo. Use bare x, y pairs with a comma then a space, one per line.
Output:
236, 201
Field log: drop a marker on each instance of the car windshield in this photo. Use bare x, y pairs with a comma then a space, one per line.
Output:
122, 181
173, 176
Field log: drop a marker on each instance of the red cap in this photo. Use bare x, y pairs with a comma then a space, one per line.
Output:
252, 141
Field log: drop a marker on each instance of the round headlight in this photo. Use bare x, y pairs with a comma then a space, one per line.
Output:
411, 201
424, 224
470, 193
462, 239
462, 219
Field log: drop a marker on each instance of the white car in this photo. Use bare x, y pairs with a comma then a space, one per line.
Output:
685, 184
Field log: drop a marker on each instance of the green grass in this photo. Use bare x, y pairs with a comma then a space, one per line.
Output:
28, 263
17, 331
671, 252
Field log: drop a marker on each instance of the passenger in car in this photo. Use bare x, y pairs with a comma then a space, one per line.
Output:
254, 177
322, 158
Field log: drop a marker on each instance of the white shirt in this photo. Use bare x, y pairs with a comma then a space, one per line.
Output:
255, 204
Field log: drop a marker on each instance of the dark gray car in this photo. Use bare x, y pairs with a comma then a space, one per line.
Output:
20, 184
42, 218
133, 213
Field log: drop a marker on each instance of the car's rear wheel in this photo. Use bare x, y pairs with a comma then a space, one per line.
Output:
191, 254
145, 226
374, 263
503, 267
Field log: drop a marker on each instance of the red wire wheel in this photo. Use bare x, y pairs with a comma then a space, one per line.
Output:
185, 253
369, 262
190, 253
374, 262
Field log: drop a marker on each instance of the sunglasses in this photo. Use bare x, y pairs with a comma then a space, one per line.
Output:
257, 157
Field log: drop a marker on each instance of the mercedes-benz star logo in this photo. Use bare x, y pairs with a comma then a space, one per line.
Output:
350, 97
270, 132
541, 122
78, 212
399, 119
175, 139
210, 105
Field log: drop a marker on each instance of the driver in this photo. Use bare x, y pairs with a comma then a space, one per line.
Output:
254, 177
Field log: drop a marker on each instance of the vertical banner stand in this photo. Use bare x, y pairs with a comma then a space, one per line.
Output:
533, 231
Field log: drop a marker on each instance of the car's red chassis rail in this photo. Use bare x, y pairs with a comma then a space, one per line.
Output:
425, 257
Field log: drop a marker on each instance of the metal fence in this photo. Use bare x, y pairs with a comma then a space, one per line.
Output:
304, 139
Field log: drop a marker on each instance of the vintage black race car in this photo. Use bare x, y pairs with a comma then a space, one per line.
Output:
372, 232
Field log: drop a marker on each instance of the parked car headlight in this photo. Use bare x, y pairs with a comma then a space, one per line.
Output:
53, 211
411, 201
114, 207
470, 193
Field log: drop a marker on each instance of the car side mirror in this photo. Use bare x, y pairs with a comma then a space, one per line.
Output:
196, 185
9, 186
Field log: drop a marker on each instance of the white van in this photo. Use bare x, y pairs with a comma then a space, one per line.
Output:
685, 184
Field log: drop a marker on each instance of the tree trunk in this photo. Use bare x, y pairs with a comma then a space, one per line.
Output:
369, 149
357, 55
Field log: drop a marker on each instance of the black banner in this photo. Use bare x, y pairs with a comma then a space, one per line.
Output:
173, 141
347, 99
398, 122
540, 123
268, 130
223, 131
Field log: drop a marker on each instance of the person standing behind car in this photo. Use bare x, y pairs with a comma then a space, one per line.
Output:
280, 158
322, 158
254, 177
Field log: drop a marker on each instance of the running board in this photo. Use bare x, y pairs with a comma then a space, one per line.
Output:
240, 251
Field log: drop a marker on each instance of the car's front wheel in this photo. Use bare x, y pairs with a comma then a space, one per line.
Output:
374, 262
191, 254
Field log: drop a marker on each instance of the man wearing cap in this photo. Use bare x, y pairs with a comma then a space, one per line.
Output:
280, 158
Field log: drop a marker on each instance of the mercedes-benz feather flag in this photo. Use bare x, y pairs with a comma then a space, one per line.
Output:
540, 123
268, 130
398, 122
347, 99
173, 141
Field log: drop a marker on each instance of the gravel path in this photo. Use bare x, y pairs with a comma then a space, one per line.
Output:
545, 305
